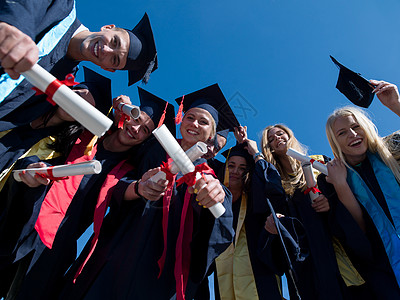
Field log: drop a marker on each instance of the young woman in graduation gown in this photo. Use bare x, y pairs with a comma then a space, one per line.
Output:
157, 252
365, 176
47, 245
239, 271
315, 266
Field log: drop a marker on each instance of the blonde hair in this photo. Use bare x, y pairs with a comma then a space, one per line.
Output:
374, 142
290, 182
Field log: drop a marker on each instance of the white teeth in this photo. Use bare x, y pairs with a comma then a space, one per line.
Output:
192, 132
96, 49
130, 135
356, 142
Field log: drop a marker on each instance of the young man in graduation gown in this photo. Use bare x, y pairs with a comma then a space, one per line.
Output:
50, 32
136, 258
44, 251
41, 141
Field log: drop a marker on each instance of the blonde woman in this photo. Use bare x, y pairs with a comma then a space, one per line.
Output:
366, 176
318, 274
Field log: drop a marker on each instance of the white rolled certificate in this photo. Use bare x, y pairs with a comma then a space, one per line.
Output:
132, 111
73, 104
195, 152
310, 180
83, 168
304, 158
182, 161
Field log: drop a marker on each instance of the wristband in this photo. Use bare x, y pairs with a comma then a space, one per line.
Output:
258, 154
136, 188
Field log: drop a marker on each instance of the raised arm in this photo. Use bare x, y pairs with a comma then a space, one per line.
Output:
388, 94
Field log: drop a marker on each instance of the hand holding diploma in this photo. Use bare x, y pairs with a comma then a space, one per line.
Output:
208, 194
39, 173
18, 52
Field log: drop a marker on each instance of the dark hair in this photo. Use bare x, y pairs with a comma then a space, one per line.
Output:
66, 137
246, 177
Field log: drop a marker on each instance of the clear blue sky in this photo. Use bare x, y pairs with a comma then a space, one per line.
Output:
269, 57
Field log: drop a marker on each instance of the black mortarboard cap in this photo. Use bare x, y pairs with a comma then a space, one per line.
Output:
239, 150
142, 55
355, 87
154, 107
100, 88
213, 100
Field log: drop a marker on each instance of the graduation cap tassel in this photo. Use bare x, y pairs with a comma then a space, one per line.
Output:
291, 272
178, 118
150, 68
163, 116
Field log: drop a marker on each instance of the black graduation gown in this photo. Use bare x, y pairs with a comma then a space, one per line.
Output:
365, 250
216, 165
266, 183
18, 203
35, 18
19, 140
44, 275
318, 275
124, 263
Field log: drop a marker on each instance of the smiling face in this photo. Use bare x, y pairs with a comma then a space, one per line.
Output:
277, 140
237, 168
196, 126
351, 139
107, 48
135, 131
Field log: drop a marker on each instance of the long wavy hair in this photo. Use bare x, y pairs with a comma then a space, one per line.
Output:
295, 180
374, 142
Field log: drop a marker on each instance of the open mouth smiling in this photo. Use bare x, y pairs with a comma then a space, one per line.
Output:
356, 143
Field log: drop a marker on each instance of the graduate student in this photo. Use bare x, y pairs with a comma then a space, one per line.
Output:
165, 244
49, 31
318, 275
250, 179
214, 146
43, 130
47, 245
365, 176
43, 140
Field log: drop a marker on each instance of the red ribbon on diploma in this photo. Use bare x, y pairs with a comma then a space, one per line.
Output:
50, 175
313, 189
55, 85
190, 178
312, 160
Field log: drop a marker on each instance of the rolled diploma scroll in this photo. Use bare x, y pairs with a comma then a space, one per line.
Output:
310, 180
132, 111
73, 104
195, 152
304, 158
182, 161
83, 168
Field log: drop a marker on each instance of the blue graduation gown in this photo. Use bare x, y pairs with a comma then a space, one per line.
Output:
18, 105
124, 263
